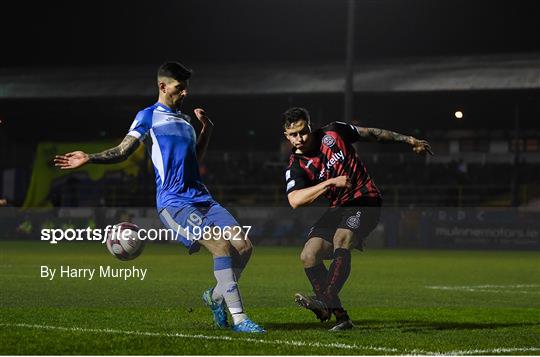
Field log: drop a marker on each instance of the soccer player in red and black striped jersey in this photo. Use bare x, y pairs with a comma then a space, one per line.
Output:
324, 162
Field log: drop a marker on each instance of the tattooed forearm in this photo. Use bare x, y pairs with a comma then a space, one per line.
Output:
376, 134
116, 154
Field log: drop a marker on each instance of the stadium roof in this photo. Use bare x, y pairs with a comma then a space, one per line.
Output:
495, 72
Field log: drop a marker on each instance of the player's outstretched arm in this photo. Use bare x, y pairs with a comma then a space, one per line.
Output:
376, 134
206, 132
306, 196
75, 159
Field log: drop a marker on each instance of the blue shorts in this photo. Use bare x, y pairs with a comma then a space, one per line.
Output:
202, 214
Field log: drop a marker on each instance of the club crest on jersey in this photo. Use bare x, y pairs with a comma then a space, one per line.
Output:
328, 140
353, 222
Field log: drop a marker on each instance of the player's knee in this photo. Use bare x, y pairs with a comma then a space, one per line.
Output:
338, 242
308, 258
219, 247
346, 242
244, 247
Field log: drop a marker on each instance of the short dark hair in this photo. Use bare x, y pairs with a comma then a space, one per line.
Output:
295, 114
174, 70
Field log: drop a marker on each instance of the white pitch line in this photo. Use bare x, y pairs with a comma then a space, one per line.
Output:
205, 337
277, 342
492, 351
487, 290
491, 288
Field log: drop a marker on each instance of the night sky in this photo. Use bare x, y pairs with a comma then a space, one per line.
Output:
94, 33
109, 32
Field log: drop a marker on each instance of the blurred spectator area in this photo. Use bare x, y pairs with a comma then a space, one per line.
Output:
257, 178
470, 168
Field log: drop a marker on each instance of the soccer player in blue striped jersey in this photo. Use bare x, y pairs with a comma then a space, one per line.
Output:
182, 200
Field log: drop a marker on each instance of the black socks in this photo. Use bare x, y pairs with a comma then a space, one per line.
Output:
337, 276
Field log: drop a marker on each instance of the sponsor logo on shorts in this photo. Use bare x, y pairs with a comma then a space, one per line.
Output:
353, 222
329, 141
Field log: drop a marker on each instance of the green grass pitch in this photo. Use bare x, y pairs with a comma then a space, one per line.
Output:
401, 301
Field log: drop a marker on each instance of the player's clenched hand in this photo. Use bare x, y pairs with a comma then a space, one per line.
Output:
421, 146
342, 181
201, 115
71, 160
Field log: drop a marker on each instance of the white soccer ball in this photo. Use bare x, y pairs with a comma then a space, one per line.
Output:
123, 241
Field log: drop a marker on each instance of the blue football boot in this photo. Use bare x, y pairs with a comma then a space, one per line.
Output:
248, 326
218, 310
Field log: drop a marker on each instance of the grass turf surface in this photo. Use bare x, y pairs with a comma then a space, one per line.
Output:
401, 301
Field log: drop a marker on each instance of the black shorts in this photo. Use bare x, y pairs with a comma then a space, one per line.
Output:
361, 217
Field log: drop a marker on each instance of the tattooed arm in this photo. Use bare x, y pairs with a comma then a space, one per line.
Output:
77, 159
376, 134
116, 154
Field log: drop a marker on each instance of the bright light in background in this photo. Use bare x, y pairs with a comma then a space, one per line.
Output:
458, 114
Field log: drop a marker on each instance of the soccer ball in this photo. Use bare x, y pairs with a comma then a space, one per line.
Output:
123, 242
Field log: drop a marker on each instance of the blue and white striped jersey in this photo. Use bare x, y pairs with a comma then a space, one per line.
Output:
171, 141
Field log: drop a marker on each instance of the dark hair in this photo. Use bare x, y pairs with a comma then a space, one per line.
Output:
174, 70
293, 115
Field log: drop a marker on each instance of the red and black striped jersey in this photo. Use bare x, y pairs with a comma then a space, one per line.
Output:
335, 157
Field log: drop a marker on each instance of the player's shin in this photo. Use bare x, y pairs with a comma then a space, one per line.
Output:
317, 276
237, 270
239, 263
337, 276
227, 288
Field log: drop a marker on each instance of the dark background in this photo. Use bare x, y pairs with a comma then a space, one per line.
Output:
58, 33
100, 33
